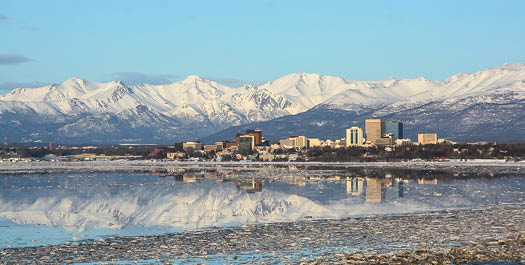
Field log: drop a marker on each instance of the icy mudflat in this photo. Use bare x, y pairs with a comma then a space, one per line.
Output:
56, 202
445, 237
494, 165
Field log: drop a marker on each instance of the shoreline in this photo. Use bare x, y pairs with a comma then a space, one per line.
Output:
496, 166
450, 236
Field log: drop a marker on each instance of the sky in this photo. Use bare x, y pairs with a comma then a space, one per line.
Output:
234, 42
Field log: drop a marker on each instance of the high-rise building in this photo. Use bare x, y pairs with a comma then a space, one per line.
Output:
246, 143
375, 128
427, 138
395, 128
354, 137
257, 134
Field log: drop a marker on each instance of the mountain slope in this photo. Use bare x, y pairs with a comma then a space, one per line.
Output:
487, 105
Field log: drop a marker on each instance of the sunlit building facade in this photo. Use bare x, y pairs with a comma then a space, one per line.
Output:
354, 137
375, 128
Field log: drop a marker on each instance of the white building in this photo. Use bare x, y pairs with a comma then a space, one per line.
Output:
354, 137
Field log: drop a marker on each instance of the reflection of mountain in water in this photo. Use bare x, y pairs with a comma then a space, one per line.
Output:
190, 200
186, 206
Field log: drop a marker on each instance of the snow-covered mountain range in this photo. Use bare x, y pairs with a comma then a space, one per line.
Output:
81, 111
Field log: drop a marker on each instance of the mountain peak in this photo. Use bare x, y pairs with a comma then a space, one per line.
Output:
512, 66
193, 78
74, 80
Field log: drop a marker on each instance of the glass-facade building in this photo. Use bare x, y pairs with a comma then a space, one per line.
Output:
395, 128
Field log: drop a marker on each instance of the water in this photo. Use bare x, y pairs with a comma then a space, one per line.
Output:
54, 207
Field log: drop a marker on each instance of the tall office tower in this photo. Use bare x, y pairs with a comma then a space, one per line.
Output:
375, 128
354, 137
395, 128
257, 134
246, 143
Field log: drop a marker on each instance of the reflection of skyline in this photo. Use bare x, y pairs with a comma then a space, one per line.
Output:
249, 186
381, 190
355, 185
295, 180
78, 202
432, 181
376, 190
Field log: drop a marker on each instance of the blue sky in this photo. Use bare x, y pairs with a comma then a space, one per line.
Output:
230, 41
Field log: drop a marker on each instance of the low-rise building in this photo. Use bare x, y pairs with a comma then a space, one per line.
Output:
220, 145
191, 146
267, 157
403, 142
313, 142
385, 140
175, 155
427, 138
299, 142
210, 147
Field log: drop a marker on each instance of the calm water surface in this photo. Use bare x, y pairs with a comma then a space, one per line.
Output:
52, 208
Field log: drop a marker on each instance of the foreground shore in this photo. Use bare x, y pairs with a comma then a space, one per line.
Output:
445, 237
471, 166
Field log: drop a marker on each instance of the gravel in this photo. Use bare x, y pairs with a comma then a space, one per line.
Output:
445, 237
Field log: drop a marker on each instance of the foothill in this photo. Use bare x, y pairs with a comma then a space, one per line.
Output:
380, 140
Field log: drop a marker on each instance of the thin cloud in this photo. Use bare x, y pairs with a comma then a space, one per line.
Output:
11, 59
135, 78
233, 82
19, 24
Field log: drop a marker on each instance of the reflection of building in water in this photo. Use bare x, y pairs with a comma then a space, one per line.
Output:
433, 181
210, 175
295, 180
175, 170
5, 182
249, 186
374, 190
380, 190
355, 185
394, 190
314, 178
336, 177
188, 178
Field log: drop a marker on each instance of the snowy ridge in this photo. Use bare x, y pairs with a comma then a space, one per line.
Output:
198, 107
187, 207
